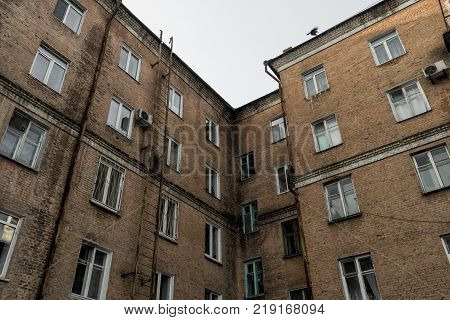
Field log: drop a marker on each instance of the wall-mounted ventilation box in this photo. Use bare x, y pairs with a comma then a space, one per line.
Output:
447, 40
144, 118
435, 71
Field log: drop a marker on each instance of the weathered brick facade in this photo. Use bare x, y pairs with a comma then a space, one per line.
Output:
398, 225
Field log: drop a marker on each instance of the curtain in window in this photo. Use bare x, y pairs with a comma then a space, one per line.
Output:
112, 197
40, 67
321, 82
124, 120
381, 53
334, 201
310, 87
429, 179
416, 100
100, 182
395, 47
333, 130
73, 19
321, 136
371, 286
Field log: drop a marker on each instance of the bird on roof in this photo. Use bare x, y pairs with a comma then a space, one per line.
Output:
314, 31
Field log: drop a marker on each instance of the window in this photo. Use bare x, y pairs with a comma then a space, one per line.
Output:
247, 166
387, 47
168, 219
341, 198
173, 157
282, 179
212, 131
109, 184
326, 133
212, 182
130, 62
91, 276
446, 243
433, 167
70, 14
176, 101
210, 295
278, 129
213, 242
253, 278
358, 276
23, 141
249, 222
120, 117
164, 286
299, 294
49, 69
291, 238
315, 82
408, 101
9, 227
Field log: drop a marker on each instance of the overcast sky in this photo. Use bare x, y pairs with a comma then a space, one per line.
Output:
227, 41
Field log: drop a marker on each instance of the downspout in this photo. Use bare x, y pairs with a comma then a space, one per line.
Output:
444, 16
71, 172
290, 173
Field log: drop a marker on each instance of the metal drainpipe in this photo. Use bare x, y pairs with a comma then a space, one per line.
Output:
68, 185
443, 15
291, 189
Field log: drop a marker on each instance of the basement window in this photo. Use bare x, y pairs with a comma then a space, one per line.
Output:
70, 14
108, 185
91, 276
278, 130
249, 217
211, 295
253, 279
173, 155
291, 238
408, 101
358, 277
282, 179
315, 81
433, 168
341, 199
212, 131
120, 117
130, 62
23, 141
164, 286
326, 133
49, 69
446, 243
387, 47
299, 294
9, 227
213, 242
176, 101
168, 219
212, 182
247, 166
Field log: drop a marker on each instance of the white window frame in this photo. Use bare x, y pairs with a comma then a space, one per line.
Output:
102, 203
255, 278
433, 164
253, 217
402, 88
446, 246
209, 184
312, 74
219, 242
209, 123
163, 219
104, 286
383, 40
127, 66
54, 58
172, 99
23, 139
304, 292
341, 196
247, 157
278, 122
158, 275
116, 125
360, 274
170, 141
325, 121
210, 293
277, 178
4, 271
78, 8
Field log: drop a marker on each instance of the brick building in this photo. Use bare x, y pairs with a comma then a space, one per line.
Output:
125, 176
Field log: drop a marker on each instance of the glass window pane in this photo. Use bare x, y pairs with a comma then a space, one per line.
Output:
310, 88
276, 133
177, 103
164, 293
366, 264
124, 120
100, 182
60, 9
207, 244
10, 142
95, 283
174, 155
133, 67
56, 77
395, 47
417, 104
100, 258
123, 58
282, 180
442, 162
371, 286
349, 267
248, 227
336, 209
80, 278
403, 110
335, 136
354, 290
40, 67
112, 197
215, 244
113, 113
73, 20
397, 96
34, 134
321, 80
429, 179
322, 141
381, 54
27, 154
422, 159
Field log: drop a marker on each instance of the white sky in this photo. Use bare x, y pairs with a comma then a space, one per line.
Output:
226, 42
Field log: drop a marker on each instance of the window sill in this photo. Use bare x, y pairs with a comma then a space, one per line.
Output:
3, 279
46, 86
74, 296
35, 170
353, 216
332, 147
248, 179
281, 193
258, 297
251, 233
215, 197
390, 61
413, 117
213, 260
173, 169
213, 144
293, 256
119, 134
73, 32
317, 95
136, 80
178, 116
166, 237
275, 142
101, 205
435, 191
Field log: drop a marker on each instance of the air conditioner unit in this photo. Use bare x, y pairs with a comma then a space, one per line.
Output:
446, 36
143, 118
435, 70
